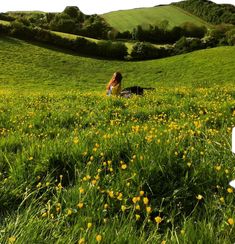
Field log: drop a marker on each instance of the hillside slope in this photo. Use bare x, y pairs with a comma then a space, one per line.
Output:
25, 65
81, 167
128, 19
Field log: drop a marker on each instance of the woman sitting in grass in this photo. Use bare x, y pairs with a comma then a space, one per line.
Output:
114, 85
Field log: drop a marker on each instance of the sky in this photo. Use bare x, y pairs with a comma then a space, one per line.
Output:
86, 6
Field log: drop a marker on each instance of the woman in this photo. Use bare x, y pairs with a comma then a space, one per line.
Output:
114, 85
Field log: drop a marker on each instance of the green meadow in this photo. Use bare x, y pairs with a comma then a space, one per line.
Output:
77, 166
128, 19
3, 22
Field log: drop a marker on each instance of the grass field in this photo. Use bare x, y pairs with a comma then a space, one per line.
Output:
128, 19
79, 167
3, 22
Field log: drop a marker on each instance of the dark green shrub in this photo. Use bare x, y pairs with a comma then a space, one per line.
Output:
185, 45
142, 50
18, 29
231, 37
4, 29
112, 50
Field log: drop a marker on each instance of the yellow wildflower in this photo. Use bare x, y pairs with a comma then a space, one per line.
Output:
222, 199
80, 205
148, 209
89, 225
111, 194
44, 214
134, 199
69, 212
137, 207
230, 190
124, 166
137, 216
39, 185
119, 196
93, 182
123, 208
98, 238
106, 206
75, 140
158, 219
145, 200
231, 221
59, 187
199, 197
11, 239
81, 241
218, 167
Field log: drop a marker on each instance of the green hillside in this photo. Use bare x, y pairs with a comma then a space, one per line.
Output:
128, 19
56, 68
77, 166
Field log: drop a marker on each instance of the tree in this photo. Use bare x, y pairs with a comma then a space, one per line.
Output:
72, 11
62, 22
231, 37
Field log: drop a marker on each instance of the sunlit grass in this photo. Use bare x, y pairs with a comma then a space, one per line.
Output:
128, 19
77, 166
3, 22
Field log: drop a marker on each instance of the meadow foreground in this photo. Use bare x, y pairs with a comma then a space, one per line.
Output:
79, 167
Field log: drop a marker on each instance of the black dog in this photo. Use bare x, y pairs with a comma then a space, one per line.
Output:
137, 90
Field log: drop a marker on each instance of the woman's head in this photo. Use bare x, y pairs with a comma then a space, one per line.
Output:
117, 76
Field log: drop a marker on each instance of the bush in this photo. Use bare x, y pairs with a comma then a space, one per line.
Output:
142, 50
231, 37
192, 30
84, 46
112, 50
4, 29
80, 45
18, 29
185, 45
6, 17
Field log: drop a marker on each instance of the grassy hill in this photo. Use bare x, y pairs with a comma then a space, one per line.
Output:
128, 19
77, 166
56, 68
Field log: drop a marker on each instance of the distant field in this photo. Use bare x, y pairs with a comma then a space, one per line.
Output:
73, 36
25, 12
128, 19
3, 22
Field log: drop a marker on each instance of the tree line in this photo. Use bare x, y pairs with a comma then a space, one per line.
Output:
80, 45
71, 20
209, 11
162, 34
221, 35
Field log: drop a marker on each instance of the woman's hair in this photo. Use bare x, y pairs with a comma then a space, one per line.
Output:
117, 76
116, 79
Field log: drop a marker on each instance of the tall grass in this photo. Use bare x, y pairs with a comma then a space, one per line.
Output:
79, 167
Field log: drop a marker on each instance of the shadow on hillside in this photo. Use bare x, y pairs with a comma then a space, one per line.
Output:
65, 50
11, 40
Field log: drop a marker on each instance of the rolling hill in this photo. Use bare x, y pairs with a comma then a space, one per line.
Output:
25, 65
78, 166
128, 19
